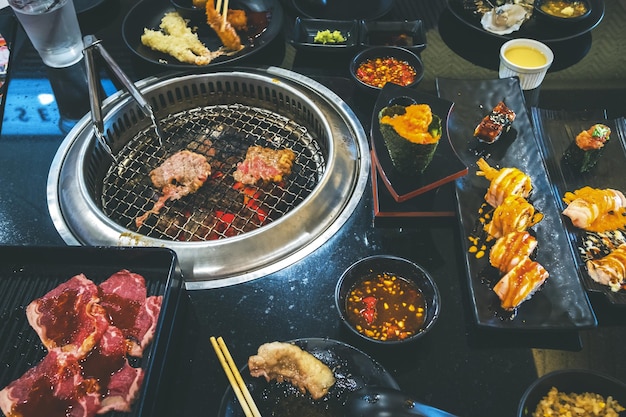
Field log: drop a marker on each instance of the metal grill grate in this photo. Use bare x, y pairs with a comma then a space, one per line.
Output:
221, 208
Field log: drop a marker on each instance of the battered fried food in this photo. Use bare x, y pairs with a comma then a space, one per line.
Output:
224, 29
176, 39
287, 362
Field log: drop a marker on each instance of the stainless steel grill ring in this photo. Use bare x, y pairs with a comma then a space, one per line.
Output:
94, 200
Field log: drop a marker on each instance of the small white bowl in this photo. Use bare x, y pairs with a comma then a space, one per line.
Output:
530, 77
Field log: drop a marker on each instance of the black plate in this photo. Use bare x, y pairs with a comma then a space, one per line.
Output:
562, 302
353, 369
343, 9
27, 273
536, 27
83, 6
148, 14
444, 167
384, 33
305, 30
556, 130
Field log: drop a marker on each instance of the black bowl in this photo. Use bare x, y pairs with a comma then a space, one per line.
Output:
398, 53
571, 381
400, 267
187, 10
557, 18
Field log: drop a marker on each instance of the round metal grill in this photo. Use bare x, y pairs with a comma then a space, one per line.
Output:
222, 207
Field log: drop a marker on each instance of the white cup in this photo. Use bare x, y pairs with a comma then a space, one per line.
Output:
530, 75
52, 27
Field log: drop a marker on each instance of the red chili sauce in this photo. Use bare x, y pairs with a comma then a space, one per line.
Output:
379, 71
386, 307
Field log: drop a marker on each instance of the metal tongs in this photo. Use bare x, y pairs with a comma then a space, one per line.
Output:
90, 42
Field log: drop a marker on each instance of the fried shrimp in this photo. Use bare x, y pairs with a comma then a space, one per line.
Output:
176, 39
224, 29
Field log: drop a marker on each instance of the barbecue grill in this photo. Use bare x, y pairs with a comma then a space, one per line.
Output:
225, 232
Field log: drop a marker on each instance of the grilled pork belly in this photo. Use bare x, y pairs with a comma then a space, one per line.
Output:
514, 214
179, 175
511, 249
264, 165
497, 122
520, 283
287, 362
609, 270
587, 206
503, 182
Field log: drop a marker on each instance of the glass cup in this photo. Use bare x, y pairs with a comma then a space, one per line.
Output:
527, 59
52, 27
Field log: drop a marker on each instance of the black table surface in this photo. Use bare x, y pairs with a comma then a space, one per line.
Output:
464, 369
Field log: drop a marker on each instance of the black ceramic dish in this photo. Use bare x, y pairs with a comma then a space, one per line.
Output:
445, 166
343, 9
353, 370
374, 52
568, 381
562, 302
305, 30
402, 268
380, 402
187, 10
556, 130
534, 28
551, 18
27, 273
407, 34
267, 17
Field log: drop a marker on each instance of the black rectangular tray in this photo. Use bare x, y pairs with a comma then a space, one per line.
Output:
29, 272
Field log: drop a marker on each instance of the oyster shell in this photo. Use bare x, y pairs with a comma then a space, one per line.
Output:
504, 19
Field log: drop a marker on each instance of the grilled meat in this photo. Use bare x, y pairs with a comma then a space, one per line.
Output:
179, 175
264, 165
287, 362
492, 126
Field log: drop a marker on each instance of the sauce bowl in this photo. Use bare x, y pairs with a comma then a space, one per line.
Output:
378, 314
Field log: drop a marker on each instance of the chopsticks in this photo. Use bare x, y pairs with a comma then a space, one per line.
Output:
234, 377
223, 11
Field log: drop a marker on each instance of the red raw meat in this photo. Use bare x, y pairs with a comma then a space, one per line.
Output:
54, 387
69, 317
124, 297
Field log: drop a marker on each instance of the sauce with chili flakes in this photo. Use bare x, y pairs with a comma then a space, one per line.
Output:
386, 307
379, 71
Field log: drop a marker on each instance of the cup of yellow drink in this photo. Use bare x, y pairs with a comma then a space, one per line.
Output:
527, 59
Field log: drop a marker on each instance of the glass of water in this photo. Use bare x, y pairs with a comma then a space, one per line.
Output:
52, 27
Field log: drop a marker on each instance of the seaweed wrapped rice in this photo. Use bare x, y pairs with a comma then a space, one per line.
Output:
585, 150
411, 135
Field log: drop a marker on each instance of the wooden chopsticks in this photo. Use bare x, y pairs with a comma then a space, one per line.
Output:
234, 377
223, 11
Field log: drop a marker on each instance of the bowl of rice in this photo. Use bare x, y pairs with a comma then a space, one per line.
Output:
574, 392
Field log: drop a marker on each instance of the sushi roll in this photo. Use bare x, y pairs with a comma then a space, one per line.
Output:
411, 135
493, 125
585, 151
